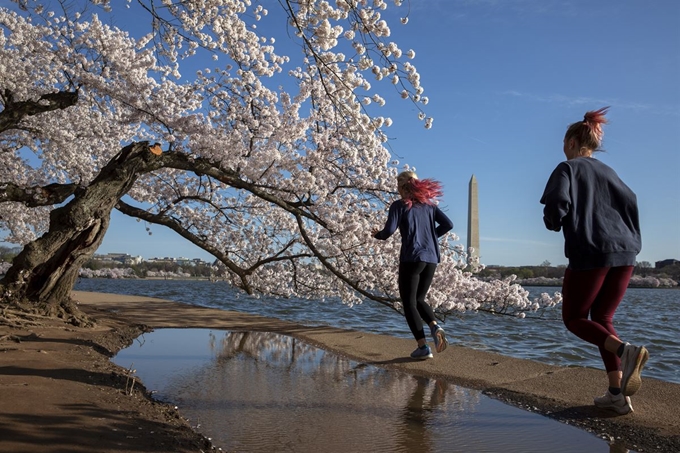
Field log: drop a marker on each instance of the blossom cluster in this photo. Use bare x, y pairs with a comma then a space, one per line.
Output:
652, 282
4, 267
114, 273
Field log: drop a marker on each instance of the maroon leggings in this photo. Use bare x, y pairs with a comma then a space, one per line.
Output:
598, 293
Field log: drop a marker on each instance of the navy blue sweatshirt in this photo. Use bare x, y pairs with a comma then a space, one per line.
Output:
597, 213
420, 227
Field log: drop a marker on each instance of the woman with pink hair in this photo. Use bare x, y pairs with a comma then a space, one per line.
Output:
598, 216
420, 223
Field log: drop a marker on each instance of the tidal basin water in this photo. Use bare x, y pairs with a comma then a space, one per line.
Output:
646, 316
263, 392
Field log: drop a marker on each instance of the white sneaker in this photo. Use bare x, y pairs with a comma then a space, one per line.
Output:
439, 337
632, 361
618, 403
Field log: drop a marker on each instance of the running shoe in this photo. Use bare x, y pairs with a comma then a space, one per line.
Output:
439, 337
632, 361
618, 403
422, 353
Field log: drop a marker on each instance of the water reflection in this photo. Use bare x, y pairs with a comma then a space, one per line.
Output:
419, 413
263, 392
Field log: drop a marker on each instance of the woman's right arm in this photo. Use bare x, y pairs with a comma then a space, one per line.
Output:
392, 222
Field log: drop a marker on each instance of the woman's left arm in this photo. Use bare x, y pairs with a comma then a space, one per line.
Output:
556, 197
444, 224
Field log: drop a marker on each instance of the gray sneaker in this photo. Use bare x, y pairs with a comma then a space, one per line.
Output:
439, 337
632, 361
618, 403
422, 353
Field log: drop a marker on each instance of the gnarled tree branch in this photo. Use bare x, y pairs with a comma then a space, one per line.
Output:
15, 111
35, 196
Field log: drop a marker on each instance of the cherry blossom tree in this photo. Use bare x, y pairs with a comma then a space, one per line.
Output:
269, 152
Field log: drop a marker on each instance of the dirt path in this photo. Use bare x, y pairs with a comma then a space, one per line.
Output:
60, 393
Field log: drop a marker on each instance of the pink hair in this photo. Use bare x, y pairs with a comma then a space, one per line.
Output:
421, 191
588, 133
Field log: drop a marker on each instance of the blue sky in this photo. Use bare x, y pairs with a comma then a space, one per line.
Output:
505, 78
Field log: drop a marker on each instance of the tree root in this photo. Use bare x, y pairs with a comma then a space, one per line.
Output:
21, 314
19, 319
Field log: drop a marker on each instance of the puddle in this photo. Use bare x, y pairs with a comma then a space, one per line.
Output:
262, 392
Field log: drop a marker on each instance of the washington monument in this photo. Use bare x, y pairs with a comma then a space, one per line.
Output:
473, 218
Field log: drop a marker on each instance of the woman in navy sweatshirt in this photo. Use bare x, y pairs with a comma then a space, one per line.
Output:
598, 215
420, 224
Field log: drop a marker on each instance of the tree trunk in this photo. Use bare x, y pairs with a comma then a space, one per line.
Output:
42, 276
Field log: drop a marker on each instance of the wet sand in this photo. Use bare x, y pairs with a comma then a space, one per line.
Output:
60, 393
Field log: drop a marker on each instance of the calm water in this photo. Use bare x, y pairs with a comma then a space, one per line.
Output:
646, 316
263, 392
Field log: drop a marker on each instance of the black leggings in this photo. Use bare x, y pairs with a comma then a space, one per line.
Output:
414, 282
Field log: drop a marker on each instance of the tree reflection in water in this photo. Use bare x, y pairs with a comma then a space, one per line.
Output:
264, 392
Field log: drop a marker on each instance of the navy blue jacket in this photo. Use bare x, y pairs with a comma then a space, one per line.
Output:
597, 213
420, 227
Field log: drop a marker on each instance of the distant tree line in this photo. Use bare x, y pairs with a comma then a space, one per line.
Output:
141, 270
643, 269
153, 268
522, 272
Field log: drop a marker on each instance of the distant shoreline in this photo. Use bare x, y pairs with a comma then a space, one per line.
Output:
214, 280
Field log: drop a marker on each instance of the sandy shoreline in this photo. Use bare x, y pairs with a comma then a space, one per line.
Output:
60, 392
